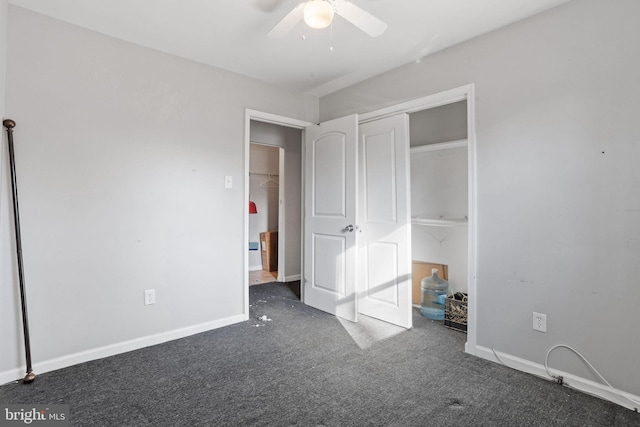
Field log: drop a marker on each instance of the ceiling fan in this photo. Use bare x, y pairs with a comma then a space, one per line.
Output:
319, 14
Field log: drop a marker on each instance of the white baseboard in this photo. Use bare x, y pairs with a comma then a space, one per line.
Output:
470, 349
578, 383
255, 267
291, 278
118, 348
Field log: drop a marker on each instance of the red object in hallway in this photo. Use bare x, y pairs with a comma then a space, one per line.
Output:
252, 208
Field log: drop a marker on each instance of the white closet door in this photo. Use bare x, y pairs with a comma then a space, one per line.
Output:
384, 221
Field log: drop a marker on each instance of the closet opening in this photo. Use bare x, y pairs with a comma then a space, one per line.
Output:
440, 203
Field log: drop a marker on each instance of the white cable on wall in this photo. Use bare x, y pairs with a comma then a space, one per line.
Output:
559, 378
584, 359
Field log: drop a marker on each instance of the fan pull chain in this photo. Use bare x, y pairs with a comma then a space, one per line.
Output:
331, 41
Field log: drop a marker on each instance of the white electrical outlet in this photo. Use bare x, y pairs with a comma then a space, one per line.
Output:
149, 296
539, 322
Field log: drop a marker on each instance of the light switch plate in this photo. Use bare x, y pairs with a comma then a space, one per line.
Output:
149, 297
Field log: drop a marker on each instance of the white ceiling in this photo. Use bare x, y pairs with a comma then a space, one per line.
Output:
231, 34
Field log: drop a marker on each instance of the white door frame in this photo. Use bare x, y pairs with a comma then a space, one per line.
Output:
436, 100
259, 116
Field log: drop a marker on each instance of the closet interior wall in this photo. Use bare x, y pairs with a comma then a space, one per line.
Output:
439, 190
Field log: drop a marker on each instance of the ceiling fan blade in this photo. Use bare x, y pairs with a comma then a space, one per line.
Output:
288, 22
360, 18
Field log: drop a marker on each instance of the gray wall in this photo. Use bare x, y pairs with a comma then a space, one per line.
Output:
10, 326
291, 140
441, 124
122, 153
557, 99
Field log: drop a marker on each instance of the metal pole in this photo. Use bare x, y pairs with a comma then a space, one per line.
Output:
30, 376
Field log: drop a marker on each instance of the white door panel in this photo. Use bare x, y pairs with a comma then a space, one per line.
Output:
379, 178
329, 264
385, 273
329, 152
384, 218
330, 206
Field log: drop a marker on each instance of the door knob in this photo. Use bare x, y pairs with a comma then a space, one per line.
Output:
349, 228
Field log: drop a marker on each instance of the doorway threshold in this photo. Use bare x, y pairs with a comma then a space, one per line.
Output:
259, 277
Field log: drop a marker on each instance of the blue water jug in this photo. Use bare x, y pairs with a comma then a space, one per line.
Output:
434, 293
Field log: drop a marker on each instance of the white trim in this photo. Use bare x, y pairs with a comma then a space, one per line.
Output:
255, 267
291, 278
436, 100
472, 215
118, 348
419, 104
261, 116
303, 187
461, 143
573, 381
245, 210
282, 214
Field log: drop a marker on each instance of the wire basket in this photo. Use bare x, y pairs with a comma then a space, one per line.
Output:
455, 312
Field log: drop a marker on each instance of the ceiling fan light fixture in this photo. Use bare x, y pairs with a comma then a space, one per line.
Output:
318, 14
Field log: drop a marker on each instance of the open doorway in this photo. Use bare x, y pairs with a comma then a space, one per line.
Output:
264, 203
274, 188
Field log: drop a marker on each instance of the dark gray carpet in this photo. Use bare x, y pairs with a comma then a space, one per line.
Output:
303, 368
